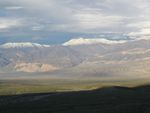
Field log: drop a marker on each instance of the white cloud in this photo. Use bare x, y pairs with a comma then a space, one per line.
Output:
6, 23
96, 20
37, 28
14, 7
142, 34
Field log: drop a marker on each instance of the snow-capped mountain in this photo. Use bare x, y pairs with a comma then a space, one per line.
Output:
86, 41
78, 57
23, 45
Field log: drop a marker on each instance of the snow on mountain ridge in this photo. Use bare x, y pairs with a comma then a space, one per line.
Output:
22, 45
87, 41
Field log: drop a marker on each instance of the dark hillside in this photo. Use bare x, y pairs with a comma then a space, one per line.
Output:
105, 100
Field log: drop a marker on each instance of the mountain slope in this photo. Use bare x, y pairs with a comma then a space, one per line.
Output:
84, 59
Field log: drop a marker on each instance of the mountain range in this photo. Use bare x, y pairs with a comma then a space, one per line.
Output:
90, 57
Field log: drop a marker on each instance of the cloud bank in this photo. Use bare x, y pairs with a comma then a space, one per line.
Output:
36, 18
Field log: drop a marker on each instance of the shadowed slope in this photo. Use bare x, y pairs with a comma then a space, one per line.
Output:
105, 100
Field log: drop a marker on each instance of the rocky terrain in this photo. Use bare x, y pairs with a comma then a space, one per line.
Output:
79, 57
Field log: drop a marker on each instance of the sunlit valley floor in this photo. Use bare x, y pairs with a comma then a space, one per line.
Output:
31, 83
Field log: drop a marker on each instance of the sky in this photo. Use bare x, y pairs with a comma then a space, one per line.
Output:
56, 21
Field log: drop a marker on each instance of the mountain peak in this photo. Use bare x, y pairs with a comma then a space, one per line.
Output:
87, 41
22, 45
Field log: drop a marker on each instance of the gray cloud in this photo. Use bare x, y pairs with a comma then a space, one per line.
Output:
76, 16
